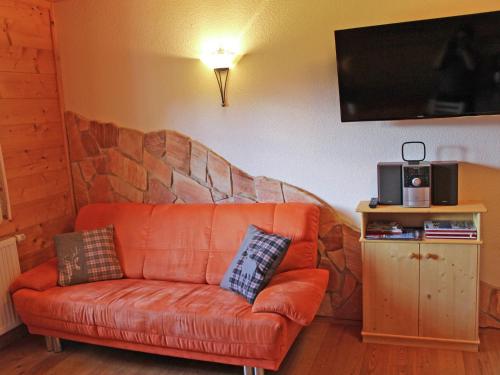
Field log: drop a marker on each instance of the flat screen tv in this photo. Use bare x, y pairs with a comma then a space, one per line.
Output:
441, 67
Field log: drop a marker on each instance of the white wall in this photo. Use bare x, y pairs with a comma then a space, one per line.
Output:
136, 63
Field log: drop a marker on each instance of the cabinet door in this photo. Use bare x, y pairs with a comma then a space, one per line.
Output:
448, 291
390, 288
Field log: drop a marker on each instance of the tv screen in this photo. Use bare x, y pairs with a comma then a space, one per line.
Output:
434, 68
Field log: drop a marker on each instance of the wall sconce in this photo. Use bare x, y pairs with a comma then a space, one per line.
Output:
220, 59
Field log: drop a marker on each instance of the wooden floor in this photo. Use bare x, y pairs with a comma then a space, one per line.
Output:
322, 348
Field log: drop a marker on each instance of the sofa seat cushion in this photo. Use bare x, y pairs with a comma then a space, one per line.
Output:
195, 317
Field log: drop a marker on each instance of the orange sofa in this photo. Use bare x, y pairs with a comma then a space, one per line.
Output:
169, 302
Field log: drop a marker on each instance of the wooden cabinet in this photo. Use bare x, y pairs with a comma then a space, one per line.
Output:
421, 293
390, 282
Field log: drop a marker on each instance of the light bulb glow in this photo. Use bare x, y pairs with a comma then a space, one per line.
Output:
220, 53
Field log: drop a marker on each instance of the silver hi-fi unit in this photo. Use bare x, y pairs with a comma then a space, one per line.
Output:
416, 180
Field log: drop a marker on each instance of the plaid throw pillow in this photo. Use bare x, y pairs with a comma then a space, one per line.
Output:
87, 256
255, 263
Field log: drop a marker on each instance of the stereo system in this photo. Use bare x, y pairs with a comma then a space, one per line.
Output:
416, 183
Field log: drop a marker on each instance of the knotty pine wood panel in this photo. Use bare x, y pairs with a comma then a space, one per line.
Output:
391, 277
31, 162
38, 186
27, 86
448, 291
19, 138
31, 130
26, 60
42, 210
24, 25
22, 111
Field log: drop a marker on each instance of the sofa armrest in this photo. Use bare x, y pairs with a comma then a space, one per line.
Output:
42, 277
295, 294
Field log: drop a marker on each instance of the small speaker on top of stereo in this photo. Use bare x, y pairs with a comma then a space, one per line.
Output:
444, 183
389, 181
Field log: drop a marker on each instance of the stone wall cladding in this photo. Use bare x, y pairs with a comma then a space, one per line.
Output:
113, 164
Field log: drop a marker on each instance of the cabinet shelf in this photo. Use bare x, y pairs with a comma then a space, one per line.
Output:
428, 240
421, 292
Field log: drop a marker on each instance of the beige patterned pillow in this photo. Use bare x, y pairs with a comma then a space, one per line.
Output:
87, 256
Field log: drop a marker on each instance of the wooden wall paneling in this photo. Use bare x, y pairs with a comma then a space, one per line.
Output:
27, 85
24, 25
30, 162
31, 129
28, 188
62, 108
32, 136
26, 60
22, 111
5, 204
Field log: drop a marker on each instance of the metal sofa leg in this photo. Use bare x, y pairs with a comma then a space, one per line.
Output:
49, 344
249, 370
56, 344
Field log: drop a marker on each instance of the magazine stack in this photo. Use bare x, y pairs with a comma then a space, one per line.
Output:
461, 229
390, 230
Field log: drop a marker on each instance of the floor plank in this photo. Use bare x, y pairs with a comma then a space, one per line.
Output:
323, 348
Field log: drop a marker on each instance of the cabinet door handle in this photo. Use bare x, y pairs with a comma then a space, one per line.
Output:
414, 256
431, 256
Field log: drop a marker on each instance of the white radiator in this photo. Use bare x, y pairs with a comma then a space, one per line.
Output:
9, 270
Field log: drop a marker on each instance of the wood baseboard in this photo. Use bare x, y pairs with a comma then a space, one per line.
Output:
422, 342
13, 335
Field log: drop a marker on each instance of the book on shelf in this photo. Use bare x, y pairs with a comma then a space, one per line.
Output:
458, 236
410, 234
384, 227
446, 226
450, 229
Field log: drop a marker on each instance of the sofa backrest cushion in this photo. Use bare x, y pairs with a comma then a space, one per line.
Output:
196, 242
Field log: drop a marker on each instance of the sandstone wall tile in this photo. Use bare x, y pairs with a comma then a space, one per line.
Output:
198, 162
158, 193
131, 142
268, 190
352, 308
190, 191
352, 251
79, 186
101, 164
178, 151
219, 173
218, 196
106, 134
294, 194
127, 169
338, 258
100, 190
325, 309
486, 320
88, 170
155, 143
235, 199
82, 123
89, 144
336, 277
243, 184
158, 168
126, 190
76, 150
333, 240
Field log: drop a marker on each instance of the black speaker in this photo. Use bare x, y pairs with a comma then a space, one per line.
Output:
389, 181
444, 183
